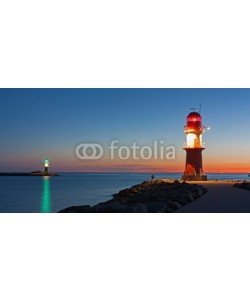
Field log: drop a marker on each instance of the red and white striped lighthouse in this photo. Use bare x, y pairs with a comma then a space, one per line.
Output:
194, 146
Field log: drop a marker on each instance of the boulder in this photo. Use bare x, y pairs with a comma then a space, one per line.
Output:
137, 208
245, 185
112, 207
77, 209
173, 205
181, 199
157, 207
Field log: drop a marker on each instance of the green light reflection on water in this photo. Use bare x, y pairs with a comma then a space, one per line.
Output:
46, 200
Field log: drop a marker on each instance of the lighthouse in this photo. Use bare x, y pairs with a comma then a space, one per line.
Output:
194, 147
46, 166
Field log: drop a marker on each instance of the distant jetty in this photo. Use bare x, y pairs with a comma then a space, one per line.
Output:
44, 173
35, 173
245, 185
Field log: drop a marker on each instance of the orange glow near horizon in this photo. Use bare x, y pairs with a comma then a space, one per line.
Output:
152, 166
212, 164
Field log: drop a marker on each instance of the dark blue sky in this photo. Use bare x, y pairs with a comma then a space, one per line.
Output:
37, 123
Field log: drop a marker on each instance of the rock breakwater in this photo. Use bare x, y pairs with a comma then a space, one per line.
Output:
156, 196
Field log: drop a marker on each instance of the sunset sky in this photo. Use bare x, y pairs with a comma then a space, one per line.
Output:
39, 123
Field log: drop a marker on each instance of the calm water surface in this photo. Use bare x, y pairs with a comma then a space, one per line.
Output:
44, 194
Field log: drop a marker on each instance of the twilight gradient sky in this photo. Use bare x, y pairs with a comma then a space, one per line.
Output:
38, 123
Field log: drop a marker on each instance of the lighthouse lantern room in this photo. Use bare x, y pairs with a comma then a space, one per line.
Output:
194, 147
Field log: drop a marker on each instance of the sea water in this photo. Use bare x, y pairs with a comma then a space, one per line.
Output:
51, 194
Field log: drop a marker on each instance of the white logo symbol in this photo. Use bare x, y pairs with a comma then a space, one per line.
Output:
89, 151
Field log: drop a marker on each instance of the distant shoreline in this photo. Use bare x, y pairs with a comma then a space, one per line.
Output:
39, 174
144, 173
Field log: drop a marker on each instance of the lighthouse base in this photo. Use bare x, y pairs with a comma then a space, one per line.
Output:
192, 177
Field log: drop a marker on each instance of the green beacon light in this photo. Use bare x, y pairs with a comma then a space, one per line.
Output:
46, 166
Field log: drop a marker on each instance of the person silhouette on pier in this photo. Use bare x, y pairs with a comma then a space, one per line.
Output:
152, 177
